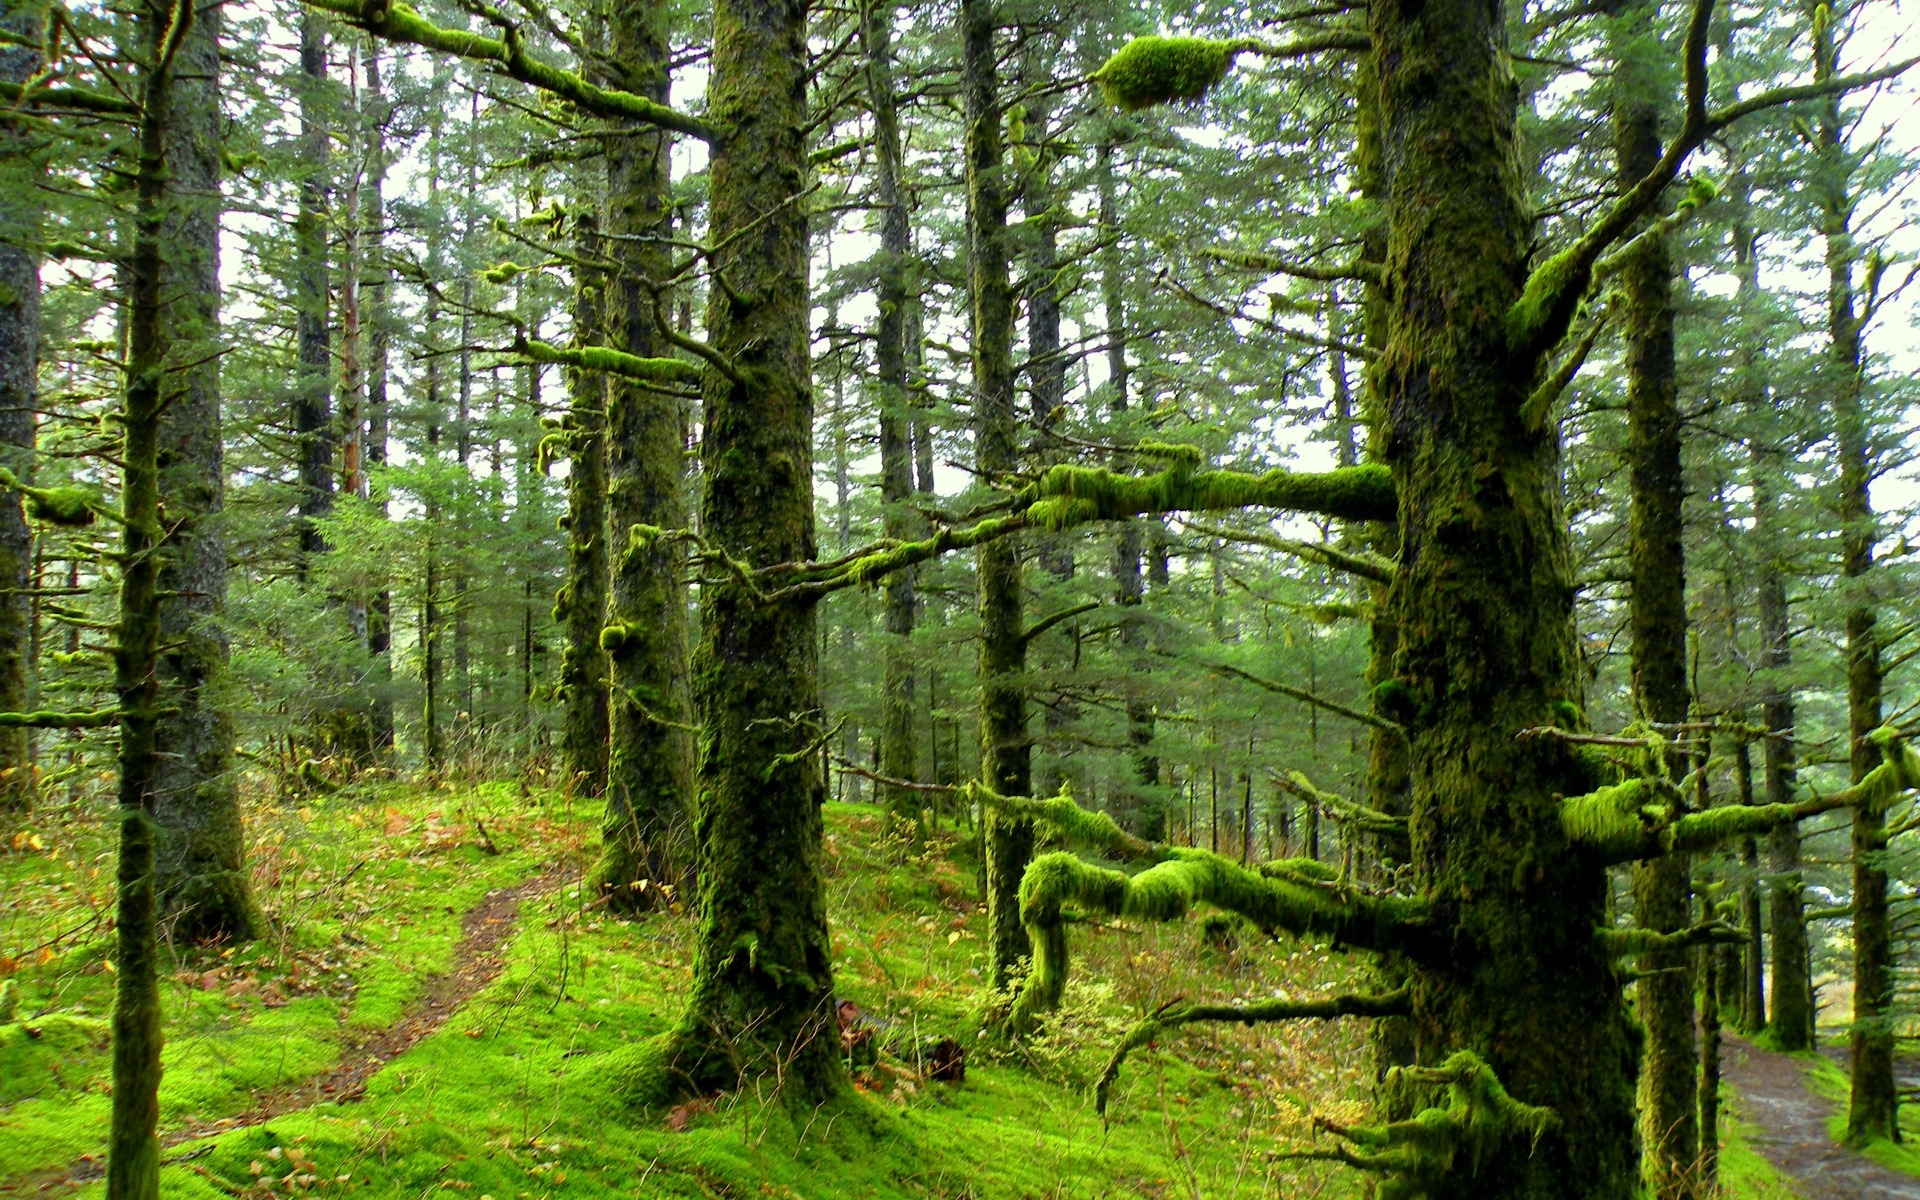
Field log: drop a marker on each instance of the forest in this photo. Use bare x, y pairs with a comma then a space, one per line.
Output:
968, 599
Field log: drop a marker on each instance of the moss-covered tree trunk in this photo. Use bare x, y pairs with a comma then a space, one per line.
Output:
313, 342
1753, 955
1873, 1102
201, 859
650, 747
374, 114
1790, 1000
895, 296
1483, 596
20, 217
582, 603
1658, 612
763, 977
133, 1144
1005, 751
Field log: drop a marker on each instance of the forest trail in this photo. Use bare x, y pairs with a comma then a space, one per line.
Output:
1790, 1130
477, 961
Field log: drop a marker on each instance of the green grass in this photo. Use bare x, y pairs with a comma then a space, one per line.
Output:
1826, 1079
1744, 1173
517, 1096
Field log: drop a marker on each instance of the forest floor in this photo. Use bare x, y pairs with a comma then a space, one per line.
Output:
1793, 1106
437, 1009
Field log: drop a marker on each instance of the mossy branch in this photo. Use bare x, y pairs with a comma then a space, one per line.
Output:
1367, 820
1159, 70
1172, 887
1533, 414
609, 361
1476, 1120
1076, 826
71, 507
1641, 818
1623, 942
60, 720
867, 570
1359, 270
67, 98
1539, 319
397, 22
1071, 495
1176, 1014
1366, 566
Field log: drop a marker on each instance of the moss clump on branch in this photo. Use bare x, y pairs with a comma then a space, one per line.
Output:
72, 507
1169, 890
1476, 1119
1069, 495
1159, 70
1074, 825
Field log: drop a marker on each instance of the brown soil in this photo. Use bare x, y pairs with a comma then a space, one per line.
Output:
1790, 1130
476, 963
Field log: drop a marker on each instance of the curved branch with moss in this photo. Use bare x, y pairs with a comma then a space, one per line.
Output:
1071, 495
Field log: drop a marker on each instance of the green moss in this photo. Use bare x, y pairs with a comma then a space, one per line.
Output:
1616, 819
613, 637
1071, 495
50, 1055
1158, 70
1546, 292
72, 507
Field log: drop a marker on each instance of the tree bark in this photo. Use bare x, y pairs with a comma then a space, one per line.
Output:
313, 400
1664, 993
20, 217
201, 844
650, 750
379, 333
582, 604
1873, 1109
897, 743
1483, 598
763, 977
1005, 751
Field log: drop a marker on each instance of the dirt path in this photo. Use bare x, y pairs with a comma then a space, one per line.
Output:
484, 928
1790, 1130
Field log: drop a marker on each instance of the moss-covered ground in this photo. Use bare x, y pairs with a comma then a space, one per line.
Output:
517, 1096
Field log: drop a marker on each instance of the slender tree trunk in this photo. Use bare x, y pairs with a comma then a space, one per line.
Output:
763, 977
133, 1145
1483, 599
582, 604
1664, 993
1753, 958
201, 847
1790, 1004
897, 745
379, 329
1005, 751
1874, 1101
313, 402
650, 752
20, 218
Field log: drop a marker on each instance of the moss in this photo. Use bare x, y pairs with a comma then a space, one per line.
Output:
1071, 495
1547, 291
1158, 70
72, 507
1615, 819
613, 637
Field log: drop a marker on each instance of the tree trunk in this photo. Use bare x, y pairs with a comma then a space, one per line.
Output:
1873, 1107
1790, 1004
582, 604
650, 749
763, 980
133, 1145
1483, 599
1005, 752
897, 744
1664, 993
20, 217
1753, 972
379, 329
201, 864
313, 401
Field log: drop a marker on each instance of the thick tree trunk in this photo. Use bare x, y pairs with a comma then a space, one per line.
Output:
313, 397
897, 743
1483, 596
201, 851
1005, 751
650, 749
763, 977
1664, 994
133, 1145
582, 603
1874, 1102
1790, 1004
20, 217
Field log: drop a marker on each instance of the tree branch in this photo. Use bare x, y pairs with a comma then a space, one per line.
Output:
1069, 495
60, 720
1066, 614
1366, 566
397, 22
609, 361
